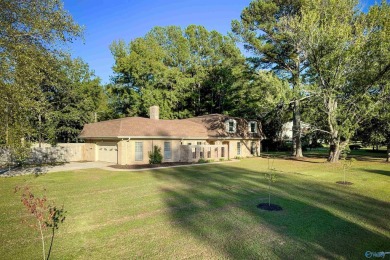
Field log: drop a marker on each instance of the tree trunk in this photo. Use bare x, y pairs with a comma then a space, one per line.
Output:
6, 125
335, 150
297, 144
40, 130
334, 153
388, 152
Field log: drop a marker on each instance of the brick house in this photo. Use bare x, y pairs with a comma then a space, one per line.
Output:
128, 140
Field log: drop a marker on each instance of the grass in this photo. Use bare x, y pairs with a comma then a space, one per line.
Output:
363, 154
207, 212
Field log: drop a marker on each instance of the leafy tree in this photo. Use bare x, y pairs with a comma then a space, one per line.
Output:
186, 72
375, 130
261, 95
30, 34
75, 97
260, 30
122, 100
349, 56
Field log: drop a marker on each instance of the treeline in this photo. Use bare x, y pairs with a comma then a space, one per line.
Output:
45, 94
192, 71
323, 62
187, 72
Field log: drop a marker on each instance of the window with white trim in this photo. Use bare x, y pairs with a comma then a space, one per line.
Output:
139, 151
238, 148
167, 150
231, 126
252, 127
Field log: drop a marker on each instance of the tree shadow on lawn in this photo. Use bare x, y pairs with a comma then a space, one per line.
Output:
323, 155
217, 205
382, 172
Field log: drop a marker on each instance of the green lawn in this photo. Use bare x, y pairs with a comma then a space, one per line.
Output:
207, 211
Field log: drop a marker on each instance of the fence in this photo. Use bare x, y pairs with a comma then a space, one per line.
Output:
63, 152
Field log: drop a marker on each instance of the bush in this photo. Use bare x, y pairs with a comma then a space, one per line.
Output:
201, 160
155, 157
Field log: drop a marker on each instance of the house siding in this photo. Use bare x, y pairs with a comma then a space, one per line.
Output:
181, 149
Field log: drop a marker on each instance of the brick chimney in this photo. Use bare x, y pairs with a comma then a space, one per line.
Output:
154, 112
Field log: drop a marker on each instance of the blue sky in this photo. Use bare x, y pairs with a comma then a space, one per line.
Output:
106, 21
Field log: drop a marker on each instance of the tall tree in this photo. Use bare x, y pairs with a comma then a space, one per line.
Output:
349, 56
375, 130
30, 33
258, 94
260, 30
74, 97
186, 72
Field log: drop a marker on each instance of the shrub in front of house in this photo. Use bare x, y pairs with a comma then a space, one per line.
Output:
155, 156
202, 160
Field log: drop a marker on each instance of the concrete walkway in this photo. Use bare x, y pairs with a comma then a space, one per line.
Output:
79, 166
45, 169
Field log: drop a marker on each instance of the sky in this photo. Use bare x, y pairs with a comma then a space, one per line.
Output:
106, 21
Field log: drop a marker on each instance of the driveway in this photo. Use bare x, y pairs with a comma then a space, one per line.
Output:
78, 166
66, 167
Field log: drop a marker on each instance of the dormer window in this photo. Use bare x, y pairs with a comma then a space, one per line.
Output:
231, 126
252, 127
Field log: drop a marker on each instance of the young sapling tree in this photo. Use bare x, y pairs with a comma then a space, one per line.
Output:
347, 165
270, 177
45, 215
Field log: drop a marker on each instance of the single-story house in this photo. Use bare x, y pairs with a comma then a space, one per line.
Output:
129, 140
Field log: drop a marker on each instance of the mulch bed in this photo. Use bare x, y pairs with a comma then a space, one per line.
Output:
269, 207
344, 183
150, 166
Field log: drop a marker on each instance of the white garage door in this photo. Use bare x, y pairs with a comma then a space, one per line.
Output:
108, 152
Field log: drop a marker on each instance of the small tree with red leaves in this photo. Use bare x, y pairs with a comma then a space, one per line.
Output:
46, 215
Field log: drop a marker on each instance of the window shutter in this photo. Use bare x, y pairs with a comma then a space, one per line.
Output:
254, 124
